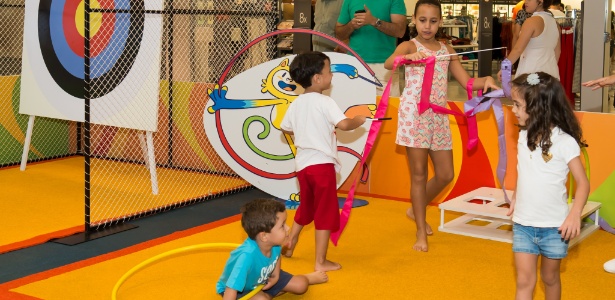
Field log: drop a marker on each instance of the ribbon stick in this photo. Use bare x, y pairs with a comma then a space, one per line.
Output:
468, 52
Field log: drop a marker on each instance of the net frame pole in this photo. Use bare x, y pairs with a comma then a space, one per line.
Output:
86, 124
170, 16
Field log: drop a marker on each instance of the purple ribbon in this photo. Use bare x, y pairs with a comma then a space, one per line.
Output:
473, 107
506, 68
476, 105
602, 223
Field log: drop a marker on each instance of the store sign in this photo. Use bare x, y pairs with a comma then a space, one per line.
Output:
485, 37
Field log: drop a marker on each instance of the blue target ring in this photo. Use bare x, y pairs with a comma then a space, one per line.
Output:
111, 61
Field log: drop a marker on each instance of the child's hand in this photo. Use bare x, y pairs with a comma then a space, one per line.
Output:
571, 227
360, 118
270, 282
511, 209
500, 75
490, 84
415, 56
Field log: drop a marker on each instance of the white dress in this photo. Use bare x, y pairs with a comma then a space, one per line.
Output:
539, 55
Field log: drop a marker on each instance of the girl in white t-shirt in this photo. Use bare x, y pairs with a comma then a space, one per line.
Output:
548, 148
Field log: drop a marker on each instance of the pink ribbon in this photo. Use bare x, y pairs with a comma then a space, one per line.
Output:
371, 139
375, 128
471, 108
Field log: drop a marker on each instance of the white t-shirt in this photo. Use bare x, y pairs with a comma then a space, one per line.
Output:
312, 118
541, 186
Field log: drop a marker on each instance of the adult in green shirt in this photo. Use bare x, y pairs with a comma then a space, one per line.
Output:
373, 27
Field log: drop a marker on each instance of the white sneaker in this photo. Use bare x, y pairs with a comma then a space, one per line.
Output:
609, 266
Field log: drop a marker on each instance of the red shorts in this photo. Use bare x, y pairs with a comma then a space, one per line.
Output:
318, 197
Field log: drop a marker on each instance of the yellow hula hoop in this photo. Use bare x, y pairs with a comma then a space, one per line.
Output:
176, 251
571, 179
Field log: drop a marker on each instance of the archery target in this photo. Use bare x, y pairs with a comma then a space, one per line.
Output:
123, 43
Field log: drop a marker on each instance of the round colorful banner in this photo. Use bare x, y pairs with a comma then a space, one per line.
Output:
243, 116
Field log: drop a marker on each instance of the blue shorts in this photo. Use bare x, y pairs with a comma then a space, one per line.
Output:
546, 241
277, 288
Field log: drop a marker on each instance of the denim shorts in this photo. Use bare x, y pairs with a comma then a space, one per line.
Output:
546, 241
284, 279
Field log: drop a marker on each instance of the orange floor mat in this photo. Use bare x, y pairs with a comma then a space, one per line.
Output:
375, 252
47, 199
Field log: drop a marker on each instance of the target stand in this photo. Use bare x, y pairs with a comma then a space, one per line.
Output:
485, 216
147, 146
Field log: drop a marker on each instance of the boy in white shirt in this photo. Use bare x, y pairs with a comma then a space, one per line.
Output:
312, 119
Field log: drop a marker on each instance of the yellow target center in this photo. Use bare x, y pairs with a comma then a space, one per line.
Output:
95, 18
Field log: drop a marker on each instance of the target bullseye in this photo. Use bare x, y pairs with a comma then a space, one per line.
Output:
61, 37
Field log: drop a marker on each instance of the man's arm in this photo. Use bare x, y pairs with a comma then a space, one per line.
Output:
343, 31
396, 28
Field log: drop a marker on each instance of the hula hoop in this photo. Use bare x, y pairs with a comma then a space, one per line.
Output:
176, 251
571, 179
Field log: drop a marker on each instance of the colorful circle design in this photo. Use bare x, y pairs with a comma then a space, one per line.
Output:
114, 42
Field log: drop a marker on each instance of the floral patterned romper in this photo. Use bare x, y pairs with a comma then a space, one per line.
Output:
428, 130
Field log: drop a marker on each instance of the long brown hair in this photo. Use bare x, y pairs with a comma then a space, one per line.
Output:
546, 106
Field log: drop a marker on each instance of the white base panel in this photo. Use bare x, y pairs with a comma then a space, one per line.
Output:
490, 210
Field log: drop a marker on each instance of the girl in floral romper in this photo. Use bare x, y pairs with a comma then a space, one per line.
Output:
428, 134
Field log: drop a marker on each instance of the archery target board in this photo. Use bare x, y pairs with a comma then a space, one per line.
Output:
124, 62
247, 136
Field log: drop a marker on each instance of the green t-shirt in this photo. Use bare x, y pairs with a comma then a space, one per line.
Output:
370, 43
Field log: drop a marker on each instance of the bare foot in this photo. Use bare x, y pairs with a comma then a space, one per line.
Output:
290, 247
410, 214
327, 266
421, 242
317, 277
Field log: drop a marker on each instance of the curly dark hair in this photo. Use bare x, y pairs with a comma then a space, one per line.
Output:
413, 32
305, 65
260, 215
546, 106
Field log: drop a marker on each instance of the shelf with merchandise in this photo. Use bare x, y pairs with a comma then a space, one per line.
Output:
285, 41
